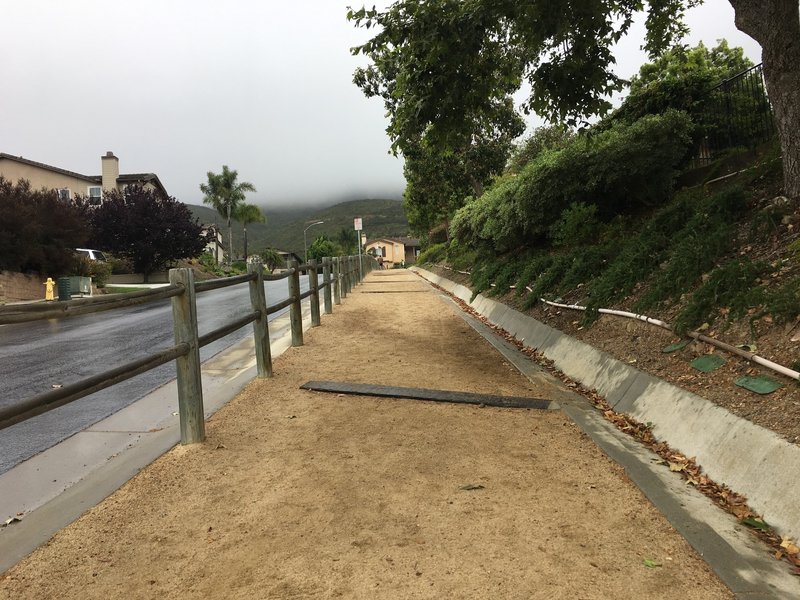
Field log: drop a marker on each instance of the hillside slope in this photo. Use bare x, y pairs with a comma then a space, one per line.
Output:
721, 258
284, 226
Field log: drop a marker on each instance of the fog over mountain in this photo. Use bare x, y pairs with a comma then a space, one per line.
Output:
182, 87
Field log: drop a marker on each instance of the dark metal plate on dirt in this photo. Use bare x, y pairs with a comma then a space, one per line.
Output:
388, 391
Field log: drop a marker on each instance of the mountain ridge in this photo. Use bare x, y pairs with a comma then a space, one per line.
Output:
284, 227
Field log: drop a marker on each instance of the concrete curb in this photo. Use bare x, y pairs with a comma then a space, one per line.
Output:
747, 458
737, 557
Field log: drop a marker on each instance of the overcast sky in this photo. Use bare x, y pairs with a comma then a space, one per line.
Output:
181, 87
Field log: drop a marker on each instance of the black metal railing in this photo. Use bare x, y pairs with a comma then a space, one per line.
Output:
737, 114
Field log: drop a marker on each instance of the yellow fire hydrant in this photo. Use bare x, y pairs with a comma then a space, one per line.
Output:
48, 289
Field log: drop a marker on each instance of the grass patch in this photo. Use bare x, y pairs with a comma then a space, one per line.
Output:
638, 256
548, 280
732, 287
706, 237
432, 254
783, 303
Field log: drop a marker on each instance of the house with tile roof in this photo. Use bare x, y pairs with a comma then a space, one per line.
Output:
394, 251
70, 184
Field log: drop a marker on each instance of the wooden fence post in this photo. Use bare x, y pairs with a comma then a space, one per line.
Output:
343, 276
258, 301
326, 280
190, 388
295, 311
337, 281
313, 285
351, 279
348, 278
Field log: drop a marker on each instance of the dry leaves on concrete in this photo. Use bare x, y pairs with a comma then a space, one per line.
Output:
736, 504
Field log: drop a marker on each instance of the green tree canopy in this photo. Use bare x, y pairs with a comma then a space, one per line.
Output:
347, 240
38, 230
147, 227
440, 179
553, 137
446, 69
225, 193
681, 78
322, 247
272, 259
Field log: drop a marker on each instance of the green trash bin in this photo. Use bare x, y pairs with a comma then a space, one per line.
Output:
64, 289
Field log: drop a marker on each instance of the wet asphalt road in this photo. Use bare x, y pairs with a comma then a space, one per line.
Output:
35, 356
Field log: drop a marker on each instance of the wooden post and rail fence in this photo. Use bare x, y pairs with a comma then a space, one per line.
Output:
340, 274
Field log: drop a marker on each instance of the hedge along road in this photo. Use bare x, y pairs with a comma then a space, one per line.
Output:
36, 356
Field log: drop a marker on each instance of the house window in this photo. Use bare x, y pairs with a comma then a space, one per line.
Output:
63, 194
95, 193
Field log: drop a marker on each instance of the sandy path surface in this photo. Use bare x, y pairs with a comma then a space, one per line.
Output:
299, 494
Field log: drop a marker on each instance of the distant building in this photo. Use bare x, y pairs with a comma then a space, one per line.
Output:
70, 184
287, 256
215, 245
400, 250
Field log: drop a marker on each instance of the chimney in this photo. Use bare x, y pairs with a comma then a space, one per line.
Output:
110, 164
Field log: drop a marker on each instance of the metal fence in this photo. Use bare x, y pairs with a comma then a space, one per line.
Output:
339, 276
736, 114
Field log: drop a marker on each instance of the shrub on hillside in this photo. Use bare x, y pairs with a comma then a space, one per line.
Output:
731, 286
489, 220
707, 236
619, 171
432, 254
577, 226
553, 137
119, 266
98, 270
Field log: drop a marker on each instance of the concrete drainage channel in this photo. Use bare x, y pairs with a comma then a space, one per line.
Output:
747, 458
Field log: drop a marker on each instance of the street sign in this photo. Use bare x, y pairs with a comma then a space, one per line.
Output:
357, 223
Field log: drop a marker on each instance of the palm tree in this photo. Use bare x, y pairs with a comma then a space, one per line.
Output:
348, 240
246, 214
225, 194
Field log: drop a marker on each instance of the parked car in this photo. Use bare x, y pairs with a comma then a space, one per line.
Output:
91, 254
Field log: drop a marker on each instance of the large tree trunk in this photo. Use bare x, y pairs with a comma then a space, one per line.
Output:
775, 25
245, 241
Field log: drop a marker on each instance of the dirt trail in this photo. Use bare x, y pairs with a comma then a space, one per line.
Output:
300, 494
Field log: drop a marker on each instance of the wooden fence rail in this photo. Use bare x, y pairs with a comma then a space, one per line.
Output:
339, 273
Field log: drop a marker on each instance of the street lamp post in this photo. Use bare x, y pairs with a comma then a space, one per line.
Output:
305, 245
